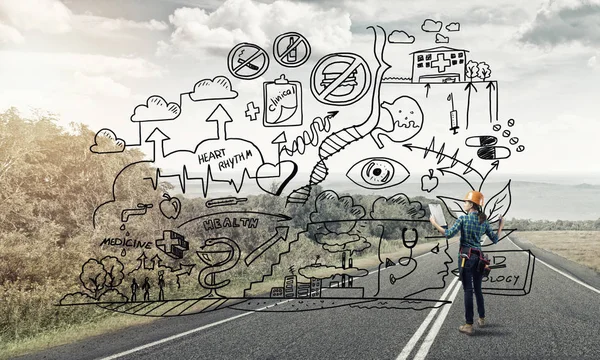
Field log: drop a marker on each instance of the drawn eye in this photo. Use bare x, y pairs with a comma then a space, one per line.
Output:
377, 173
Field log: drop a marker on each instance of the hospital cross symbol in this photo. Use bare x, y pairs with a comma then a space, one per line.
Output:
252, 111
441, 63
172, 244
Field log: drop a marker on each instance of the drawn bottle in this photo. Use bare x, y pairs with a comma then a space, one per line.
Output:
282, 102
291, 56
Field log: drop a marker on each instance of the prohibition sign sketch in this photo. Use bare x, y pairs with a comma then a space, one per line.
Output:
291, 49
340, 79
247, 61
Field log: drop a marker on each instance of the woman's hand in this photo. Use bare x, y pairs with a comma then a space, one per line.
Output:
432, 220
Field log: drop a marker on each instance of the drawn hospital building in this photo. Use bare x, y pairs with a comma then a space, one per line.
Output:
439, 65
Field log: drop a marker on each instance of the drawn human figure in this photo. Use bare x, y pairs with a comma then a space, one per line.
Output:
146, 288
134, 289
161, 285
472, 226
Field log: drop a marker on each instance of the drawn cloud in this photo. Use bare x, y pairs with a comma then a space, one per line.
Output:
453, 26
106, 142
156, 109
441, 39
343, 242
217, 88
400, 37
330, 207
431, 26
317, 271
398, 205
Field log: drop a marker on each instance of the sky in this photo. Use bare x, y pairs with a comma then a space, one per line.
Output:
94, 62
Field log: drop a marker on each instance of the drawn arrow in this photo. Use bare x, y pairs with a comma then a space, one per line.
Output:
281, 234
469, 87
157, 136
156, 260
221, 117
491, 87
427, 86
183, 270
495, 166
280, 139
141, 260
445, 170
468, 165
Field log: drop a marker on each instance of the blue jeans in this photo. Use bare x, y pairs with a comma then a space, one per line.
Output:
471, 280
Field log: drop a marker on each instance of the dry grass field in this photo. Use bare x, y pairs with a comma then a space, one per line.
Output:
582, 247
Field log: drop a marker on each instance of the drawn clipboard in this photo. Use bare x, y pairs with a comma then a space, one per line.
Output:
436, 211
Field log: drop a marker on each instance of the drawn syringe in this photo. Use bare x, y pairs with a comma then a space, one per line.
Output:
453, 116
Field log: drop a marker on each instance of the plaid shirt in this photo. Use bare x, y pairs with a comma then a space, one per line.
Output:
472, 230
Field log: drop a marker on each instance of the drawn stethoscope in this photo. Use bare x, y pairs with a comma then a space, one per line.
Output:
410, 244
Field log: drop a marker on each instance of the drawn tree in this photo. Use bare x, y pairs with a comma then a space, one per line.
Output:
114, 271
93, 276
484, 71
472, 69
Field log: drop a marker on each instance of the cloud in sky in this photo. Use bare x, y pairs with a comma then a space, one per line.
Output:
9, 34
564, 21
198, 31
105, 24
50, 16
100, 85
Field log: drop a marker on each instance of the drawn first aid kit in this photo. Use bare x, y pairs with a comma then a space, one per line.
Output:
283, 102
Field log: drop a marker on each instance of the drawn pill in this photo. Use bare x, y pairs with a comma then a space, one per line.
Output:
514, 140
493, 152
511, 122
506, 133
520, 148
497, 127
484, 140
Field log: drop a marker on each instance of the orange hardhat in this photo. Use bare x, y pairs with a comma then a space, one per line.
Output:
475, 197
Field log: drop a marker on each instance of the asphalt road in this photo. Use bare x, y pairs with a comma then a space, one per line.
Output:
558, 319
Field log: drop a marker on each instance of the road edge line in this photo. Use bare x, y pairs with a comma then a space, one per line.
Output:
559, 271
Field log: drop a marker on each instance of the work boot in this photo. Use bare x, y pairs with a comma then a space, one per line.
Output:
481, 322
466, 328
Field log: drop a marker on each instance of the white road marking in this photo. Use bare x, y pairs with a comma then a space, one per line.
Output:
435, 328
149, 345
417, 335
561, 272
177, 336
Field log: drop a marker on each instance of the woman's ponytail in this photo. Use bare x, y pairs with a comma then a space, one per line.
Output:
482, 215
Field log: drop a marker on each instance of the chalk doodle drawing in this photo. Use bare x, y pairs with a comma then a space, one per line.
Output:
231, 221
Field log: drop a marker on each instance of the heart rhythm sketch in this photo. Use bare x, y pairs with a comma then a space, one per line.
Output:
247, 216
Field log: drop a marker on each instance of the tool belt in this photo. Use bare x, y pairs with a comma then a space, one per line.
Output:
483, 265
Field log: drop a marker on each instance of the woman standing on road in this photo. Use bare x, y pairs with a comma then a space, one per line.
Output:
472, 226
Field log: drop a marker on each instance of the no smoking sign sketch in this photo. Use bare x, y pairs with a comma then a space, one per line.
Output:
247, 61
291, 49
340, 79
